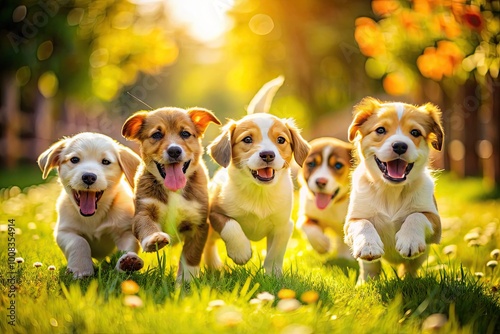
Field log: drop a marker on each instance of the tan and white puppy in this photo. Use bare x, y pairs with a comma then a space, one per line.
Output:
324, 193
251, 197
96, 207
392, 211
171, 196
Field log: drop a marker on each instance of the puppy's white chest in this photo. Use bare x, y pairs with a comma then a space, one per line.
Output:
178, 210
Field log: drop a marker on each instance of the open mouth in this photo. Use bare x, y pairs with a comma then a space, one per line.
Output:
322, 199
394, 170
87, 201
173, 174
264, 174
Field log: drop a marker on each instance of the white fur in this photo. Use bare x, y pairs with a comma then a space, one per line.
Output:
257, 210
332, 216
255, 161
82, 238
385, 219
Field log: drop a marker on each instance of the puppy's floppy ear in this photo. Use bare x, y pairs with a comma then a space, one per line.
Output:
133, 125
436, 127
300, 146
51, 157
201, 117
129, 161
220, 148
362, 111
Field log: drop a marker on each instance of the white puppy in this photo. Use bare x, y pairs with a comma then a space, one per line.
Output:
251, 198
95, 207
392, 211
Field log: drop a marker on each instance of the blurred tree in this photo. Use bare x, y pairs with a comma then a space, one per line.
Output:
410, 45
61, 57
310, 42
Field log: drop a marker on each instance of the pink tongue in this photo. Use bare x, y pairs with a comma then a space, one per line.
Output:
266, 173
396, 168
87, 202
322, 200
174, 178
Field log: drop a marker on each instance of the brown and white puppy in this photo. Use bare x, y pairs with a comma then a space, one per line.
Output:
95, 207
251, 197
324, 193
171, 196
392, 211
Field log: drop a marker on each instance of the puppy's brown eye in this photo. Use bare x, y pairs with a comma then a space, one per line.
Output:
106, 162
281, 140
157, 135
339, 165
185, 134
381, 130
75, 160
415, 133
247, 140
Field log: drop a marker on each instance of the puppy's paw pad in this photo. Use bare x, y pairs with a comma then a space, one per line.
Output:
239, 252
410, 247
368, 250
129, 262
150, 242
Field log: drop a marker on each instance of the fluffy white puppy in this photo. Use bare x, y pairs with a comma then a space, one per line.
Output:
95, 207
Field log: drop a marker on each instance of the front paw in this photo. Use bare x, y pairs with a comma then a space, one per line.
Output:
129, 262
368, 248
155, 241
81, 270
239, 251
318, 240
410, 246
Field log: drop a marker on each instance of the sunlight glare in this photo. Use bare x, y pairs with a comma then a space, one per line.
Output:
206, 19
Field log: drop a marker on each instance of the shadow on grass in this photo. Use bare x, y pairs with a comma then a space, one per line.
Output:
345, 265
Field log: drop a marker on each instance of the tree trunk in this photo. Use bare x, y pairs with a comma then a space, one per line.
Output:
44, 120
493, 128
471, 106
10, 97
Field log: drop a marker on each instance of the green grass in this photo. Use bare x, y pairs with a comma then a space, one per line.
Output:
225, 301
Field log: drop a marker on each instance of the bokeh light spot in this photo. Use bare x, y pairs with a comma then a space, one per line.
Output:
48, 84
261, 24
45, 50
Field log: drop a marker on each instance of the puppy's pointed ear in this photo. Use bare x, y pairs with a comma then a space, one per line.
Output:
51, 157
129, 161
201, 118
133, 125
362, 111
436, 131
220, 148
300, 146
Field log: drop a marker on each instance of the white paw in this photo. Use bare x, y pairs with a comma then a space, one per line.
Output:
187, 272
237, 244
158, 238
129, 262
410, 246
318, 240
81, 270
368, 248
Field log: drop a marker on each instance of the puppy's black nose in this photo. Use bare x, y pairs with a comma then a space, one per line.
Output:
399, 147
321, 182
174, 152
267, 156
89, 178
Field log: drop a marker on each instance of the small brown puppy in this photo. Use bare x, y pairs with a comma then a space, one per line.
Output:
171, 196
324, 193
